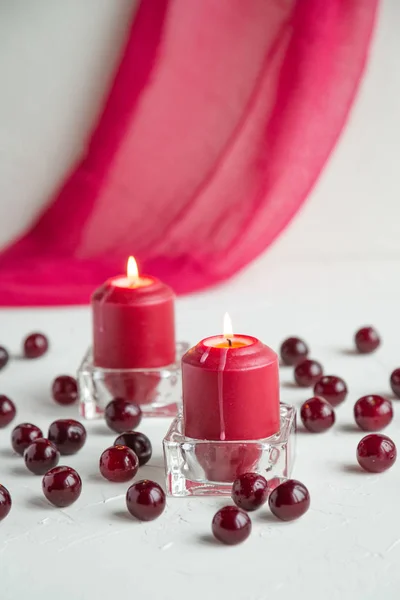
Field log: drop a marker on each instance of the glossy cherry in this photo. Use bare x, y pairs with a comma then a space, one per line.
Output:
231, 525
118, 464
290, 500
7, 411
23, 435
250, 491
138, 442
145, 500
308, 372
5, 502
4, 357
64, 390
293, 351
367, 340
41, 456
122, 415
68, 435
35, 345
395, 382
317, 415
332, 388
376, 453
62, 486
373, 413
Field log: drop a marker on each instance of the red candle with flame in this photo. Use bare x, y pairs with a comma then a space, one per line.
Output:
133, 322
133, 328
230, 389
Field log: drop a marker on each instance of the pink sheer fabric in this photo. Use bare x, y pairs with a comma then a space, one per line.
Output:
218, 123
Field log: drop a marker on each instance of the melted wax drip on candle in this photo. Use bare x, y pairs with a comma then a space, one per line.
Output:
103, 301
204, 356
221, 392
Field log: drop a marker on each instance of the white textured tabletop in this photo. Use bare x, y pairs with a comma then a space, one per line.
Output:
346, 546
335, 269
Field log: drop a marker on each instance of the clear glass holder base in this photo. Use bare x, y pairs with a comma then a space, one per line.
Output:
208, 468
158, 391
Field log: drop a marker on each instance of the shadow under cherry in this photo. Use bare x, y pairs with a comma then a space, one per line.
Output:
353, 469
208, 539
289, 384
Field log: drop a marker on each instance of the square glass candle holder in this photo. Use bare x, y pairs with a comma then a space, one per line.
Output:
158, 391
208, 468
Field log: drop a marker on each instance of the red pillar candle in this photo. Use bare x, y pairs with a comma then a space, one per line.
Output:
133, 322
230, 389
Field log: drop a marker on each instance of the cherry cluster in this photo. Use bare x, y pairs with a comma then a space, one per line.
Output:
62, 485
287, 501
33, 346
372, 413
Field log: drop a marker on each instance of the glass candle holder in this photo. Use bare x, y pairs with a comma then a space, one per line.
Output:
158, 391
209, 467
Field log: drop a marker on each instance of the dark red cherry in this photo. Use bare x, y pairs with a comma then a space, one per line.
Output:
35, 345
308, 372
293, 351
317, 415
138, 442
122, 415
331, 388
373, 413
23, 435
68, 435
7, 411
231, 525
118, 464
376, 453
4, 357
62, 486
5, 502
290, 500
395, 382
145, 500
41, 456
367, 340
250, 491
64, 390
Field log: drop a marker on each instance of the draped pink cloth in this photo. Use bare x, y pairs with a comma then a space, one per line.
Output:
219, 120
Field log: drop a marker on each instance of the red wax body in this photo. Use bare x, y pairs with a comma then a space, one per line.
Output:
133, 327
230, 393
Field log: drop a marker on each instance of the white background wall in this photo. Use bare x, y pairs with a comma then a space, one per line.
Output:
56, 61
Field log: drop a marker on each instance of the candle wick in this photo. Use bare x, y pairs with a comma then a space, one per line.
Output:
230, 342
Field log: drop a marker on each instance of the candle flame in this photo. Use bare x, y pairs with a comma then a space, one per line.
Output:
132, 268
228, 329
